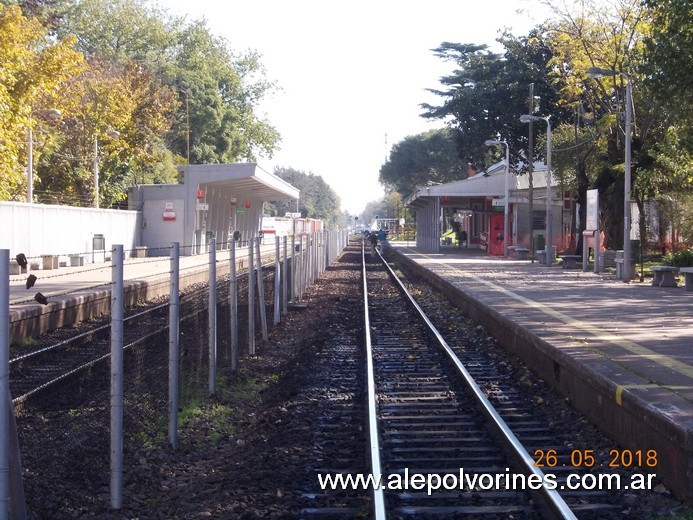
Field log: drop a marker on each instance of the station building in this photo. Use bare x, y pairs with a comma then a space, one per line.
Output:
212, 201
478, 205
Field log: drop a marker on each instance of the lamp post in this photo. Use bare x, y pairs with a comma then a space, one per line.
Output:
526, 118
506, 219
187, 121
109, 133
52, 114
596, 73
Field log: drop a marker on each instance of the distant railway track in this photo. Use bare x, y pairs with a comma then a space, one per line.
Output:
37, 372
40, 370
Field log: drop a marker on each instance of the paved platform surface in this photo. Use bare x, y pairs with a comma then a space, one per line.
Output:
79, 293
622, 352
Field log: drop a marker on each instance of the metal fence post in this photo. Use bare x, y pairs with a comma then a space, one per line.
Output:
233, 305
12, 503
307, 279
261, 293
277, 282
117, 314
173, 346
299, 293
285, 294
5, 398
294, 278
212, 316
251, 298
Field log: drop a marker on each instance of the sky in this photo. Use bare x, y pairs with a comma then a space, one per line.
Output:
352, 75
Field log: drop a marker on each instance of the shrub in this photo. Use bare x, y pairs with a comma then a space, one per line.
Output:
683, 258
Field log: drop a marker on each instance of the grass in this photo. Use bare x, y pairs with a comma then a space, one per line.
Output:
24, 342
221, 417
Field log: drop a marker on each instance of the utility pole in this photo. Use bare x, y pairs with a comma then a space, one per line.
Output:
530, 168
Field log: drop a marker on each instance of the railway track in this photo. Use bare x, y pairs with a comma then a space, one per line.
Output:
35, 373
445, 449
450, 436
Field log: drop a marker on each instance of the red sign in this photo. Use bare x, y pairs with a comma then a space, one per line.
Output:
247, 203
200, 194
233, 201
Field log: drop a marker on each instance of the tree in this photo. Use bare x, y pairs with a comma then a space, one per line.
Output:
612, 38
430, 156
218, 90
667, 64
316, 198
49, 12
222, 91
34, 71
487, 94
108, 97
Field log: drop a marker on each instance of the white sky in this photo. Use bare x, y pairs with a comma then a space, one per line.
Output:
352, 72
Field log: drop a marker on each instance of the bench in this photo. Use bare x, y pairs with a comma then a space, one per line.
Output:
664, 276
522, 253
50, 261
688, 277
76, 260
14, 268
571, 261
619, 261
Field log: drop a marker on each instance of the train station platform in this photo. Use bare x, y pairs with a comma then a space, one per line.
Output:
76, 294
621, 352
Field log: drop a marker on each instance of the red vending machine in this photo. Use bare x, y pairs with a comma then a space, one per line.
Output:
496, 234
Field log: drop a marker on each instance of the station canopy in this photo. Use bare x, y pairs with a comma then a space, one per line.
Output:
240, 180
490, 183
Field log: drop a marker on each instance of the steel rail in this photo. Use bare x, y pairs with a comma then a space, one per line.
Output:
550, 498
376, 468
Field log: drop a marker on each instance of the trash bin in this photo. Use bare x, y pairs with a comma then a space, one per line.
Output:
538, 244
98, 243
635, 251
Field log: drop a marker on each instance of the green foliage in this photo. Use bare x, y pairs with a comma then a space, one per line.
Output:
683, 258
488, 92
155, 79
316, 199
667, 62
430, 156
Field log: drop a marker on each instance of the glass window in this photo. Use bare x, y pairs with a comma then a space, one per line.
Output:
539, 220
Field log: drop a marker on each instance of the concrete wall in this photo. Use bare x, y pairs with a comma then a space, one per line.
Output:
178, 201
38, 229
163, 217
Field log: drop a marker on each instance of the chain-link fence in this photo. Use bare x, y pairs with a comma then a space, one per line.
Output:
66, 435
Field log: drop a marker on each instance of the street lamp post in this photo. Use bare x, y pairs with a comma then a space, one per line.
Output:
506, 219
52, 114
596, 73
109, 133
526, 118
